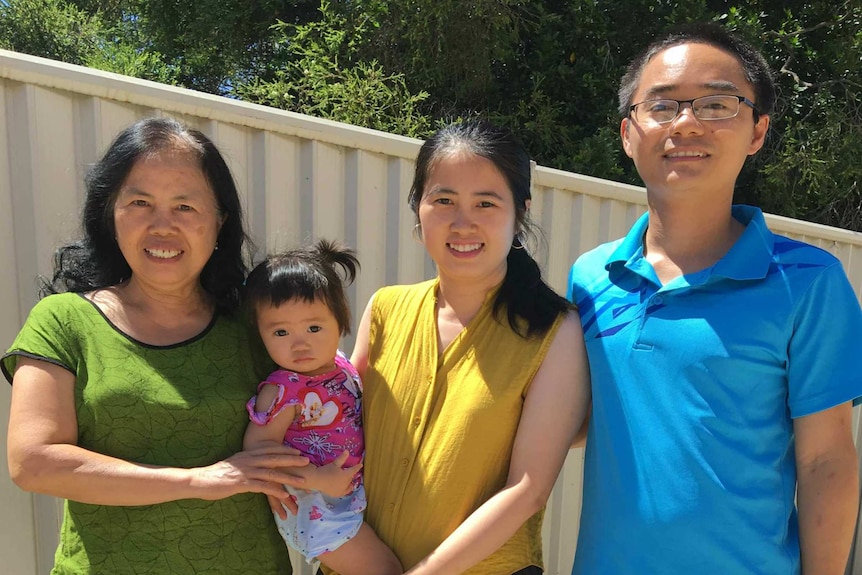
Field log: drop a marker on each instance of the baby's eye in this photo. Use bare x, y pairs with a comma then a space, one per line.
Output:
314, 328
280, 333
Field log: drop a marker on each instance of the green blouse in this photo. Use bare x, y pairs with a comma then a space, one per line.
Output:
181, 405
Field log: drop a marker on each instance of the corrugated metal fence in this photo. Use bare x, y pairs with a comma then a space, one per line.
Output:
301, 178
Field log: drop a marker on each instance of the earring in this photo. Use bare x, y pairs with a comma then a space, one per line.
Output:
417, 233
216, 247
517, 242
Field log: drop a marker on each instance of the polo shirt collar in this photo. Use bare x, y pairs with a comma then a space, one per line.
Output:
749, 258
751, 255
629, 254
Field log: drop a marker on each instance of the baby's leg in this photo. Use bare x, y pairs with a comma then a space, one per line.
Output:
364, 554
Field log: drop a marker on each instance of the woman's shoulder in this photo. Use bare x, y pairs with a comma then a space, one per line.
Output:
568, 328
395, 295
63, 299
53, 330
61, 305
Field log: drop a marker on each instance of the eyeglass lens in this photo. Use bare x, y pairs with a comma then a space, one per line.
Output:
705, 108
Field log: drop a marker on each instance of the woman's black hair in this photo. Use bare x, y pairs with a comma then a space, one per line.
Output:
308, 273
529, 304
95, 261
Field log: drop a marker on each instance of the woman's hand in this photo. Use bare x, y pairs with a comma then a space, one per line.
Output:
262, 470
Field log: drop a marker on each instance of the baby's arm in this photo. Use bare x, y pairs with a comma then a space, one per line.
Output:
273, 432
332, 479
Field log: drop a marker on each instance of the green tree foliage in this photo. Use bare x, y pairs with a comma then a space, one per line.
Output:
319, 74
215, 43
548, 69
809, 167
63, 31
48, 28
206, 45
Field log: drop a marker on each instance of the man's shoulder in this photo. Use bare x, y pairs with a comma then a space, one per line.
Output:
590, 272
594, 262
598, 256
791, 252
802, 271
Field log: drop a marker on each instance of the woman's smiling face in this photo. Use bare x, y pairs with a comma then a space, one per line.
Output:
467, 215
167, 220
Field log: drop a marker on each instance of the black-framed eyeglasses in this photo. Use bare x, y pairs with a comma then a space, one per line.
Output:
718, 107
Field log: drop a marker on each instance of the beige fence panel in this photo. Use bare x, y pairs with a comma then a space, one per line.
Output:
300, 178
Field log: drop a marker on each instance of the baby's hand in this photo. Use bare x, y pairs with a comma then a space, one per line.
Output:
332, 479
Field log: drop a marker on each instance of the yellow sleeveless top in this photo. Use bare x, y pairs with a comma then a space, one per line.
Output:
439, 428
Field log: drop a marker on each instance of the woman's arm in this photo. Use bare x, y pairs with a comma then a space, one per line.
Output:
359, 359
581, 436
44, 457
561, 386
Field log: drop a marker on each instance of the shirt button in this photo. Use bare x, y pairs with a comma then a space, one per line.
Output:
392, 507
404, 462
657, 300
416, 421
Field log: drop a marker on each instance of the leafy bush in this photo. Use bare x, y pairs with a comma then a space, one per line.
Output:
320, 76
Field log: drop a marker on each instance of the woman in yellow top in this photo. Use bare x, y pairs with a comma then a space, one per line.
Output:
476, 381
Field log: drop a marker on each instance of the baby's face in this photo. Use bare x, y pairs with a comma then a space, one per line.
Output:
300, 336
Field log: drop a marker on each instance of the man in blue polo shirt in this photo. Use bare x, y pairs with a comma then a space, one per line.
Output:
725, 359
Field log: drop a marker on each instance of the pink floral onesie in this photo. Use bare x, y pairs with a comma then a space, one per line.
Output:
330, 422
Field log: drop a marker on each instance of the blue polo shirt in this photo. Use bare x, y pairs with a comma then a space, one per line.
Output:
690, 463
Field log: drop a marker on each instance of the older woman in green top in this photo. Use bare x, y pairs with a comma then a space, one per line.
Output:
129, 389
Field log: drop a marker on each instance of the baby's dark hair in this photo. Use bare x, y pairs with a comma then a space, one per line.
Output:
308, 273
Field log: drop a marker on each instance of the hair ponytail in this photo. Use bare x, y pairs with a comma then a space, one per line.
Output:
529, 304
336, 254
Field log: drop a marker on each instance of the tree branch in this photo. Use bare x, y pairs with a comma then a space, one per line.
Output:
784, 38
